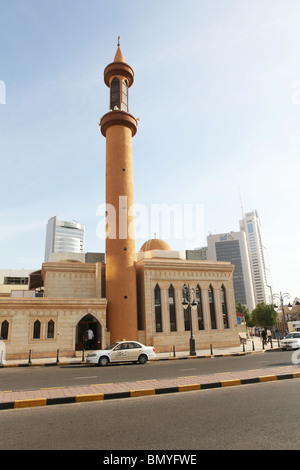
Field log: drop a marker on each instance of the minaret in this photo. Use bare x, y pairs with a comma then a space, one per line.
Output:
118, 126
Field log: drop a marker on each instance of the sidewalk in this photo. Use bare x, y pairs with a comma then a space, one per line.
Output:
99, 392
253, 345
201, 353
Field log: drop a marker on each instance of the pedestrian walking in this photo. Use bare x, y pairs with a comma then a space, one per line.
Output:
90, 338
264, 337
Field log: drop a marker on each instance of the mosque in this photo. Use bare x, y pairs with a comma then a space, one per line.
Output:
153, 295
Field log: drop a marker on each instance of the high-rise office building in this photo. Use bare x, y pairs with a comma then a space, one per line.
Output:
64, 237
198, 254
259, 258
232, 247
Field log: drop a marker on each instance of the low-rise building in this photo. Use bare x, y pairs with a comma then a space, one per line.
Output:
71, 300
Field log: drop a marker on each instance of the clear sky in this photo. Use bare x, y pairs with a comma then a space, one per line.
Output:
217, 91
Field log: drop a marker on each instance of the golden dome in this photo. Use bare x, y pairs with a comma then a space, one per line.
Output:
155, 244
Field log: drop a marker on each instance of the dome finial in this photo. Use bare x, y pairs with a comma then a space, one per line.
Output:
119, 56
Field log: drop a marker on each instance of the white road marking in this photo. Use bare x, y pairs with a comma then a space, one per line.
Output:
91, 377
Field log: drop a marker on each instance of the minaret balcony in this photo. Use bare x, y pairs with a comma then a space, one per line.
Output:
118, 69
118, 118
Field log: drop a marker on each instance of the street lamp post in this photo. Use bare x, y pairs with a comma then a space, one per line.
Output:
186, 304
281, 298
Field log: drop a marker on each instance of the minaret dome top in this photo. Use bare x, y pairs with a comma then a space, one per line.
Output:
118, 68
119, 56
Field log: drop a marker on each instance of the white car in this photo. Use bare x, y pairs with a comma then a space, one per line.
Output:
2, 351
122, 351
292, 341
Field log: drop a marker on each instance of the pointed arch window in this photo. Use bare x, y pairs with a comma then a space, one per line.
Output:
124, 105
4, 329
172, 310
37, 329
115, 94
224, 307
157, 307
199, 309
50, 329
212, 308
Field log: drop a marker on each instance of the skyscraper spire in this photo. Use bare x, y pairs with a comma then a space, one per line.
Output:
241, 202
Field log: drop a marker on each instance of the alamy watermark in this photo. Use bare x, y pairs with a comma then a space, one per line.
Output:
296, 357
2, 92
296, 93
183, 222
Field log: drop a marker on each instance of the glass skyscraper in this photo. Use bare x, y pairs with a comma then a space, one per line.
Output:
259, 258
232, 247
64, 237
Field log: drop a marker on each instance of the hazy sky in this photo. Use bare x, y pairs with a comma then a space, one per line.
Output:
217, 91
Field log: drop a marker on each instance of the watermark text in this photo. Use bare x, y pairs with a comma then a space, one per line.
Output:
296, 357
2, 92
296, 93
169, 221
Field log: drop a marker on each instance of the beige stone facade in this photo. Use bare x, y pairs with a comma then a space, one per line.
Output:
73, 280
72, 302
64, 316
161, 271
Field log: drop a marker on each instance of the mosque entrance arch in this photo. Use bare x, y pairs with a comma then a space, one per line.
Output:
88, 322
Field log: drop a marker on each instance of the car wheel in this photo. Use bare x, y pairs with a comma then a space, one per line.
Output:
142, 359
103, 361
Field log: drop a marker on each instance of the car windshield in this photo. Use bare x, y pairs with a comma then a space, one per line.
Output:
293, 335
111, 346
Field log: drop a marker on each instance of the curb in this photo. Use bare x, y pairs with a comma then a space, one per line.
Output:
43, 364
30, 403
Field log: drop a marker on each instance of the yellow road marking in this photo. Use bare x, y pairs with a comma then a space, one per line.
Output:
229, 383
148, 380
30, 403
141, 393
267, 378
187, 388
89, 397
96, 385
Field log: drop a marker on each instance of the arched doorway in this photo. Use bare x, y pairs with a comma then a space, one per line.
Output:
88, 322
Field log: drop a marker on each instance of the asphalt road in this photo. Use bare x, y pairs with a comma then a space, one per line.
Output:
36, 377
257, 416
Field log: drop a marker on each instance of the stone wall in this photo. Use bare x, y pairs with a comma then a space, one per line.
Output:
72, 280
21, 315
202, 274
